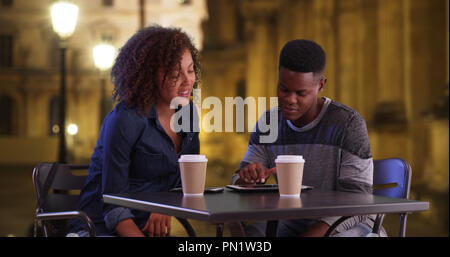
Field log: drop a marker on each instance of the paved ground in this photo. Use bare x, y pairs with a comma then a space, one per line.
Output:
17, 200
17, 205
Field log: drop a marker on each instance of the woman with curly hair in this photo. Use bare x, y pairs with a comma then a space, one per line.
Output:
137, 151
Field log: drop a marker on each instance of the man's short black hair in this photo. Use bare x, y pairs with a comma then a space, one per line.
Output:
301, 55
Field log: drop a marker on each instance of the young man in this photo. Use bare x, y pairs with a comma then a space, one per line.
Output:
331, 137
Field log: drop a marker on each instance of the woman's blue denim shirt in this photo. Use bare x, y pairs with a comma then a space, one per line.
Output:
133, 154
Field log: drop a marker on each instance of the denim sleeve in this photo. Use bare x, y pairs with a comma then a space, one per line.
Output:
121, 133
116, 215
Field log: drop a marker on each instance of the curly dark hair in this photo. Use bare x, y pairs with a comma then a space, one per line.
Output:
301, 55
150, 51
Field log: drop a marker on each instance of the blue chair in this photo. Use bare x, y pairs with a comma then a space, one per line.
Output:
391, 178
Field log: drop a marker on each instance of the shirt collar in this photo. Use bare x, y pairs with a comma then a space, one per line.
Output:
154, 115
153, 112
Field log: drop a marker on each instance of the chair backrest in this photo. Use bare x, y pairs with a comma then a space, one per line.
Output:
59, 197
392, 178
63, 192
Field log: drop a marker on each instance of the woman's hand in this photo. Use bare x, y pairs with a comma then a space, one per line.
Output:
158, 225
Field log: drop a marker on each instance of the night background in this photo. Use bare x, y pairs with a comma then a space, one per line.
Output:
387, 59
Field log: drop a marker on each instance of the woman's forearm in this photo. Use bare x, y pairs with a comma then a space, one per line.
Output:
127, 228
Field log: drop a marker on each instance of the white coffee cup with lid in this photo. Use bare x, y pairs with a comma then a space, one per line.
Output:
290, 174
193, 173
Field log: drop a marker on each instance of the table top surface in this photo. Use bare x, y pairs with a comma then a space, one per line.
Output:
231, 206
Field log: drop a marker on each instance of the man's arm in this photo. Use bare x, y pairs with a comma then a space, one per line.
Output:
254, 167
356, 167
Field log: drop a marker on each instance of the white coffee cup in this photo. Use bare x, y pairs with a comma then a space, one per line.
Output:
290, 174
193, 173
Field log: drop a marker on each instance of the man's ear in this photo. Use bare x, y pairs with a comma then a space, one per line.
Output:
322, 83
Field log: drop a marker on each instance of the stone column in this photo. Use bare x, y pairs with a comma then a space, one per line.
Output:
260, 31
447, 29
390, 130
426, 75
348, 29
325, 35
390, 45
368, 58
390, 109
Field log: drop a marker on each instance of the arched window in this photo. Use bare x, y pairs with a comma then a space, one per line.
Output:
6, 51
6, 115
108, 3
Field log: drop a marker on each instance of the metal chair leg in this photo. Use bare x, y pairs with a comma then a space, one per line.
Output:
377, 224
403, 218
219, 231
187, 226
271, 229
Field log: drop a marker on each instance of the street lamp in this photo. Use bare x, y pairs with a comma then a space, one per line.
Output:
72, 129
64, 20
103, 58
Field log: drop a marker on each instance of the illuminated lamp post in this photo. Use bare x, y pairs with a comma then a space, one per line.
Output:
64, 20
103, 58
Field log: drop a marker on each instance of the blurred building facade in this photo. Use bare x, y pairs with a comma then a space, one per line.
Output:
386, 59
29, 69
389, 60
